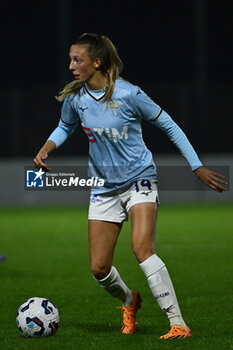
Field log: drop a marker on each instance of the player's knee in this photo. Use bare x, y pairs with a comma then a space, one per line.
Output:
142, 250
100, 271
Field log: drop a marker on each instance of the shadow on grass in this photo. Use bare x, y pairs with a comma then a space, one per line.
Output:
92, 327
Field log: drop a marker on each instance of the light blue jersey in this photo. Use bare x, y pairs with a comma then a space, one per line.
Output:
117, 152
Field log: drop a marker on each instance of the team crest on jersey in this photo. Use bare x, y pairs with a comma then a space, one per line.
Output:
114, 107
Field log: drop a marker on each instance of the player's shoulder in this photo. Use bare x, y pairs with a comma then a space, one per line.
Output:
125, 87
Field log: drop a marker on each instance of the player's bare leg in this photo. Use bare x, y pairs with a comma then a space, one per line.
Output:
102, 241
103, 236
143, 217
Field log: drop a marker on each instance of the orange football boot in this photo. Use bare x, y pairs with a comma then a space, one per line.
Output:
177, 332
129, 324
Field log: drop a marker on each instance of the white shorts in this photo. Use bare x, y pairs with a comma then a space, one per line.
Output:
115, 208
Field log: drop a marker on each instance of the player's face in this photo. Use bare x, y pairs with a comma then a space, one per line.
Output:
81, 65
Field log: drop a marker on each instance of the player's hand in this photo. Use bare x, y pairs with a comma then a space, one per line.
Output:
39, 161
211, 179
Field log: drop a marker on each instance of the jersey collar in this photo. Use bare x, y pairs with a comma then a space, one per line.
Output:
95, 94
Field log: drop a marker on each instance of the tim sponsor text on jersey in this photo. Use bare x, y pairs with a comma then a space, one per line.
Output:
112, 133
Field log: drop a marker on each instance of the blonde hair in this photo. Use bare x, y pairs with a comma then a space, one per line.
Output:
111, 65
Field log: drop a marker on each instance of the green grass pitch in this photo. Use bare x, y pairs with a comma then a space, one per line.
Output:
47, 256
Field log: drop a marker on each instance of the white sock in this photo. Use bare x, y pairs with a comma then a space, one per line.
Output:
114, 285
162, 289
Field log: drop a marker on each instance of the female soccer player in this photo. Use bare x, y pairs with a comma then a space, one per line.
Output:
109, 110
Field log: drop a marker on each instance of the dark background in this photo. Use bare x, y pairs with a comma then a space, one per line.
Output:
179, 52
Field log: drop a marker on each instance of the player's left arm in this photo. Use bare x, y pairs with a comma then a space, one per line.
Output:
210, 178
150, 111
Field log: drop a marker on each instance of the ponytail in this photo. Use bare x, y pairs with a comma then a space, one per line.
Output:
113, 67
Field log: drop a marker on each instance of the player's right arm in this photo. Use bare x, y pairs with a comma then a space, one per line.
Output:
48, 147
67, 124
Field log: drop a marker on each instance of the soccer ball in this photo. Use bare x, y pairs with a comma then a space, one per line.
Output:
38, 317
